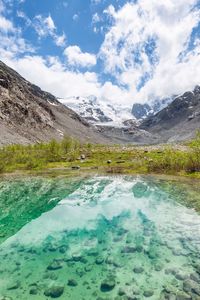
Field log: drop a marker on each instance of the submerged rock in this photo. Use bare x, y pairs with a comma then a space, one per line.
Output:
139, 190
88, 268
80, 272
121, 292
195, 277
99, 260
107, 284
33, 291
72, 282
180, 276
14, 286
138, 270
54, 291
183, 296
55, 265
63, 249
128, 249
148, 293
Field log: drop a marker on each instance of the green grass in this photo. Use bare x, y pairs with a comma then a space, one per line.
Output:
124, 159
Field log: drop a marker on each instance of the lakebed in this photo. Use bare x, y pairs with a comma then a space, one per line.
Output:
99, 237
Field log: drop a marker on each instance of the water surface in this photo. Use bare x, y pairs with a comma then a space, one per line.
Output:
99, 238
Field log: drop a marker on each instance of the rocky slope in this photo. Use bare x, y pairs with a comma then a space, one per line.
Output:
30, 115
178, 121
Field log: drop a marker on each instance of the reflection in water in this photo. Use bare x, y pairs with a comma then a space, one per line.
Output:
107, 238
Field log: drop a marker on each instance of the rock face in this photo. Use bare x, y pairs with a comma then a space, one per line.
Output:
142, 111
30, 115
178, 121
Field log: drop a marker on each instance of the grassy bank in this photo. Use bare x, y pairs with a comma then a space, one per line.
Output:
162, 159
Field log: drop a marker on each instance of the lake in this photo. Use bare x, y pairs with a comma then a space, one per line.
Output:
99, 237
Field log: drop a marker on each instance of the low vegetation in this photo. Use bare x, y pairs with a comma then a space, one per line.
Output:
166, 159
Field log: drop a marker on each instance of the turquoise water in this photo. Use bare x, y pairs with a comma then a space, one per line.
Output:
99, 238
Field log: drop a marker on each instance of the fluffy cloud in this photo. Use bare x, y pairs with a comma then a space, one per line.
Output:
76, 57
12, 43
45, 26
147, 47
62, 82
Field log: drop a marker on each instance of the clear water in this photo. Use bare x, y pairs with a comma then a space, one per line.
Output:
99, 238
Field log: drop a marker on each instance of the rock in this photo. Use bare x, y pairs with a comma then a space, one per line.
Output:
50, 275
88, 268
109, 161
183, 296
80, 272
180, 276
82, 156
177, 252
76, 258
63, 249
148, 293
139, 190
14, 286
99, 260
107, 284
195, 277
138, 270
54, 291
51, 247
128, 249
55, 265
120, 161
92, 252
76, 167
72, 282
121, 292
33, 291
152, 254
191, 286
158, 267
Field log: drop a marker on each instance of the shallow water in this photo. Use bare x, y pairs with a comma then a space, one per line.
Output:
99, 238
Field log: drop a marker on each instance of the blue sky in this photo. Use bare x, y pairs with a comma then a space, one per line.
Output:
121, 51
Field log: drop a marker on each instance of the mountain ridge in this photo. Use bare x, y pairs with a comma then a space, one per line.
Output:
30, 115
178, 121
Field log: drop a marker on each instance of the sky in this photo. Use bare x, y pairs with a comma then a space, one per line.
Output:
123, 52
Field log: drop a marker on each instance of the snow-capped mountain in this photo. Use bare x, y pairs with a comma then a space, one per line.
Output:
98, 111
142, 111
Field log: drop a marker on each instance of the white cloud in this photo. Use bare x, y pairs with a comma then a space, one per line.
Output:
164, 28
95, 2
96, 18
64, 83
60, 40
76, 57
75, 17
5, 25
46, 27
